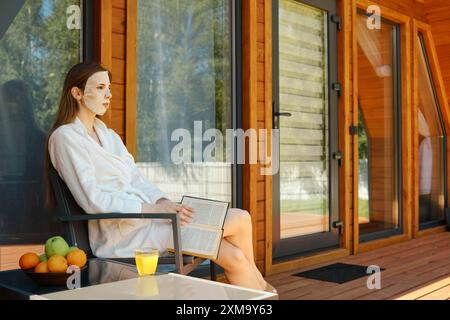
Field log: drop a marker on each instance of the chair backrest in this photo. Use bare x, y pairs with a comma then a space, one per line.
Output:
77, 232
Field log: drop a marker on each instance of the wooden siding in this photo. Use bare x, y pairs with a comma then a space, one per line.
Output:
253, 48
412, 8
264, 102
113, 55
438, 13
347, 185
9, 255
118, 54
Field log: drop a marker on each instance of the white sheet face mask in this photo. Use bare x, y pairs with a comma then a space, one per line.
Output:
97, 92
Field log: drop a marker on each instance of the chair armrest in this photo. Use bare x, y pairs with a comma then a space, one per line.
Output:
171, 216
103, 216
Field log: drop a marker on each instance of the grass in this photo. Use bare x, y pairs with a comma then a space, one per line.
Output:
316, 206
363, 205
312, 206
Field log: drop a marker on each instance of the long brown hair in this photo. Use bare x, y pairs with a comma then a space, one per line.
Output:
67, 112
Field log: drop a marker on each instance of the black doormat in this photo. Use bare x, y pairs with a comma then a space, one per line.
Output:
337, 273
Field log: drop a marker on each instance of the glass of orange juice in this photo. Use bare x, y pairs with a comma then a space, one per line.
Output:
146, 260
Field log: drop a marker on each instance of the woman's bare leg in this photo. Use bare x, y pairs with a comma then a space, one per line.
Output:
238, 231
238, 269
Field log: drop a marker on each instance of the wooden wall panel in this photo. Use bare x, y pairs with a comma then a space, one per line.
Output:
113, 55
257, 113
346, 118
438, 13
249, 105
412, 8
261, 98
121, 4
10, 255
118, 56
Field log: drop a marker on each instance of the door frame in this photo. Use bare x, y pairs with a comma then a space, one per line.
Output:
324, 240
442, 101
406, 163
397, 139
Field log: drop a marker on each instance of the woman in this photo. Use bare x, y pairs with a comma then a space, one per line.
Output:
102, 176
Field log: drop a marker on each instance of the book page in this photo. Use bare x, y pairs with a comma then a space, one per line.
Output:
199, 241
202, 241
207, 212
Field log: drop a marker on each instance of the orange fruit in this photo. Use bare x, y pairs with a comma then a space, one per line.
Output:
29, 260
57, 264
41, 268
77, 258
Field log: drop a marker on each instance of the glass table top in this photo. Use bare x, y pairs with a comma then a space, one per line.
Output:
16, 284
111, 280
160, 287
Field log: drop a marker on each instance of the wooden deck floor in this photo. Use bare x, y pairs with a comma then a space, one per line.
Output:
416, 269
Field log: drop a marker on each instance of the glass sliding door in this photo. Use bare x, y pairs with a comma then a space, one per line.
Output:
40, 40
306, 113
185, 90
432, 146
379, 129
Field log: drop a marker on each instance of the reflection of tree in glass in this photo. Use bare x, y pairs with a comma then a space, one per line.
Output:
363, 152
38, 49
183, 71
362, 137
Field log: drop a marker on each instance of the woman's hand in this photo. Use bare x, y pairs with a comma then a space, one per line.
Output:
166, 206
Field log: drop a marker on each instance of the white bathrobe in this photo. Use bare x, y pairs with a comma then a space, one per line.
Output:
105, 179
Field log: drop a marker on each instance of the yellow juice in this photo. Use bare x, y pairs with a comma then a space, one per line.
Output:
146, 263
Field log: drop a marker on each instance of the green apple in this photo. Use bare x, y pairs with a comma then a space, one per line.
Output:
56, 246
43, 258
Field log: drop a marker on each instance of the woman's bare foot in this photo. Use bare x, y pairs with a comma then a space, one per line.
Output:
261, 280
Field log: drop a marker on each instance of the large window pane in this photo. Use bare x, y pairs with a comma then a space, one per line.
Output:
36, 49
431, 145
184, 76
303, 85
378, 127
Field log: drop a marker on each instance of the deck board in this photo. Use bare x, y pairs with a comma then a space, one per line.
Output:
416, 269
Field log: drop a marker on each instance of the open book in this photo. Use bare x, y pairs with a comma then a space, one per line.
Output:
203, 235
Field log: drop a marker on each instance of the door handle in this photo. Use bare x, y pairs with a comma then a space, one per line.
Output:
338, 156
282, 114
276, 115
338, 224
